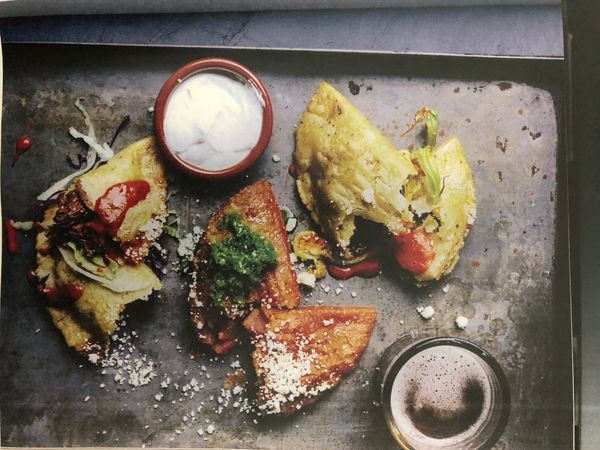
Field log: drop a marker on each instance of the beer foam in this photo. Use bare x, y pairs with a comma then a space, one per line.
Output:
442, 397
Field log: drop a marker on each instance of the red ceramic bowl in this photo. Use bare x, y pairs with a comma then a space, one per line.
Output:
213, 65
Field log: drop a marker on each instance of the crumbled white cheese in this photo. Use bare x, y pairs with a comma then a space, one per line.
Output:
128, 364
283, 370
237, 390
307, 279
276, 158
368, 195
426, 312
153, 228
187, 244
461, 322
328, 322
445, 289
293, 258
210, 429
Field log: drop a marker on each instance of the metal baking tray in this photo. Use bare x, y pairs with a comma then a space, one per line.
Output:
512, 280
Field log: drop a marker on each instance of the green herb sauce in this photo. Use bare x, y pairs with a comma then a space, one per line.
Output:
239, 262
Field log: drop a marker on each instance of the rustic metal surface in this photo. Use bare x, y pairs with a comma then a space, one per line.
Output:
511, 280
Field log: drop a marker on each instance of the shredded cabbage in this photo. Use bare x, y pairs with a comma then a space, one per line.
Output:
432, 127
432, 173
126, 278
62, 184
96, 151
95, 265
103, 151
431, 122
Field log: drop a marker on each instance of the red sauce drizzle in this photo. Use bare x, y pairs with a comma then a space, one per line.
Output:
68, 292
293, 170
368, 268
11, 237
23, 144
112, 206
413, 251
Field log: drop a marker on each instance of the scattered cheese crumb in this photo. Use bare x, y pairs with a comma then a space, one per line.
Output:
445, 289
210, 429
276, 158
426, 312
307, 279
461, 322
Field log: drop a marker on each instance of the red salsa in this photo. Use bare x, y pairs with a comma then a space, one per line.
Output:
112, 206
413, 251
368, 268
72, 292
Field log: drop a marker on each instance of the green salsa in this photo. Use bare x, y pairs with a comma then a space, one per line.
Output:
239, 262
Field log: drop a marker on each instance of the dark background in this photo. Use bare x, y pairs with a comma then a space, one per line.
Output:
583, 23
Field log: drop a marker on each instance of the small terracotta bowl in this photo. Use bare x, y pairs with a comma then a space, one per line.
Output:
227, 67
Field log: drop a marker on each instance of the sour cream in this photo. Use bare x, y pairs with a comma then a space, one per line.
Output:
213, 121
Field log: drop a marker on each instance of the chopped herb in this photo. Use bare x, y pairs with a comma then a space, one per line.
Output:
239, 262
171, 228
